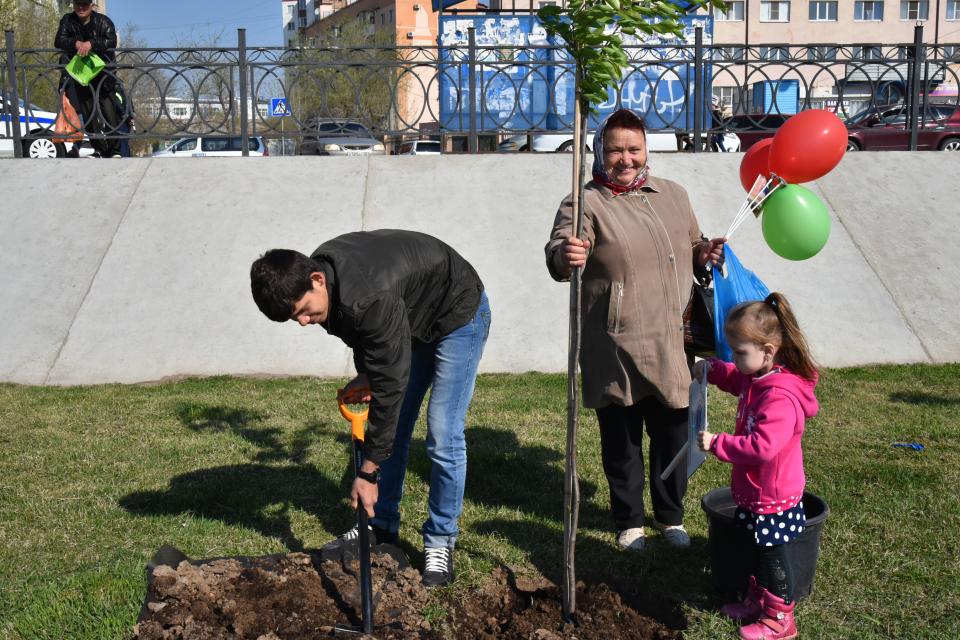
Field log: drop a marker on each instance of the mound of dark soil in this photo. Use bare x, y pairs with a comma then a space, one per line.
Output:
301, 595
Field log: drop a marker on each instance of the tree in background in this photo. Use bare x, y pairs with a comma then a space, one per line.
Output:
34, 25
348, 72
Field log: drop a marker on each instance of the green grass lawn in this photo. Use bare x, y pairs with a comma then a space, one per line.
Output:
94, 479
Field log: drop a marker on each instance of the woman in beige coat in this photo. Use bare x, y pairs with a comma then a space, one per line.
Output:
640, 244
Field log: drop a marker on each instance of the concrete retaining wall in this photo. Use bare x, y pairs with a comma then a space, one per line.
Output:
147, 276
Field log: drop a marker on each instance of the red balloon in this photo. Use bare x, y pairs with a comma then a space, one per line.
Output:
808, 145
756, 162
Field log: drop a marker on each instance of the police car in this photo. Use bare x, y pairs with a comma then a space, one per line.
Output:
36, 128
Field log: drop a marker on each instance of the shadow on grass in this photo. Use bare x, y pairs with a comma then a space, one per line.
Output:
657, 582
256, 496
245, 424
502, 472
927, 399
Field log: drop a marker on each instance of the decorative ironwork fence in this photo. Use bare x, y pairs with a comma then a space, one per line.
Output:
474, 91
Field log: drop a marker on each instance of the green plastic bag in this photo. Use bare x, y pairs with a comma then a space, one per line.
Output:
84, 70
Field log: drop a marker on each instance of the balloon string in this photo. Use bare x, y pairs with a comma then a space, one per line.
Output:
755, 200
758, 185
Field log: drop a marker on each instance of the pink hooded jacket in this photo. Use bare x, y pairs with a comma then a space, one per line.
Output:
765, 450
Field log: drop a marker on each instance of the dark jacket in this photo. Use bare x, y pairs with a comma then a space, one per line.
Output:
390, 292
99, 32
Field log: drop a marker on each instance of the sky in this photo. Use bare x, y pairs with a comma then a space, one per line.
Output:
165, 23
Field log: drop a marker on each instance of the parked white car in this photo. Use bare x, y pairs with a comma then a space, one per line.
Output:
36, 128
419, 148
212, 146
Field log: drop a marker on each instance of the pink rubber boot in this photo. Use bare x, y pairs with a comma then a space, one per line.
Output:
775, 622
749, 610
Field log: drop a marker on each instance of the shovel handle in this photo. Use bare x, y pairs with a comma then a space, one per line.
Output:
357, 418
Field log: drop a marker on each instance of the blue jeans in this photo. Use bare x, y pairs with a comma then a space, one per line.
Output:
450, 366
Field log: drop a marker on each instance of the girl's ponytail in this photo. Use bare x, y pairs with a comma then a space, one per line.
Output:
794, 352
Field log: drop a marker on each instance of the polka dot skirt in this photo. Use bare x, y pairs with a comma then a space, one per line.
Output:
772, 529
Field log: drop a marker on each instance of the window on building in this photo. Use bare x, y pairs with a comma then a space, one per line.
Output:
867, 10
822, 52
914, 9
383, 18
732, 13
951, 52
728, 53
953, 10
546, 3
179, 112
775, 11
867, 52
391, 16
729, 98
823, 10
904, 53
774, 53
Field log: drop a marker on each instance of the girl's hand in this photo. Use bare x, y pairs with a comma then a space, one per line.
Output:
701, 369
705, 439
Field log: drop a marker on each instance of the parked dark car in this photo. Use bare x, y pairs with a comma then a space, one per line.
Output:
338, 138
884, 128
751, 128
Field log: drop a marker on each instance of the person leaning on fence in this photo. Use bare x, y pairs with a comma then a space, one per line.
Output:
773, 375
641, 242
83, 32
416, 316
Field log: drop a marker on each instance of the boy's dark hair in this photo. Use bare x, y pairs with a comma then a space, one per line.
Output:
278, 279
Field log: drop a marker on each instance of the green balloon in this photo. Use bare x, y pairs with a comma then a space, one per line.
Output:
795, 223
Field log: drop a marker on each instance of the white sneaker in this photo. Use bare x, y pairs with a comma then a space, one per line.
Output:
632, 539
675, 535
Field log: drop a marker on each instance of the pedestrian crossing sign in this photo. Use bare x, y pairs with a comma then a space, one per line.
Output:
278, 107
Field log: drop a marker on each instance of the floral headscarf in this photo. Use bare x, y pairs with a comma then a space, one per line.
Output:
599, 172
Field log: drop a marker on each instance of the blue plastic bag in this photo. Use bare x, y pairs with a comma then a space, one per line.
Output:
738, 285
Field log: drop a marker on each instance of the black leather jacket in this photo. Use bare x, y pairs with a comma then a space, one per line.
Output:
99, 32
391, 292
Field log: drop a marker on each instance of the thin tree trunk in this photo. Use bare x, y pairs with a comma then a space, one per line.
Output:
571, 486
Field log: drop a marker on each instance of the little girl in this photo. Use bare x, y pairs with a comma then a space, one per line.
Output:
773, 375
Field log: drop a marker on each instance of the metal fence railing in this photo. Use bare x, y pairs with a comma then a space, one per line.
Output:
463, 94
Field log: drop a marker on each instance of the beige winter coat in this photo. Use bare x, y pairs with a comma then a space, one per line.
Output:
636, 284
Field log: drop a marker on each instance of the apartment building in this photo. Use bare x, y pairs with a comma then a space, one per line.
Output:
833, 40
297, 15
403, 23
848, 32
412, 22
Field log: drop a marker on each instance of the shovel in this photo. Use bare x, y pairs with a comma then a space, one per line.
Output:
357, 428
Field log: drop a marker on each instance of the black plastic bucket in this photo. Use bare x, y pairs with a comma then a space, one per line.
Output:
728, 545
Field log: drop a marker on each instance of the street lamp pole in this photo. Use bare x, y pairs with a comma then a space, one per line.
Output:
746, 53
936, 26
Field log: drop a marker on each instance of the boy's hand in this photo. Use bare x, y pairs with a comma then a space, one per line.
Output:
705, 439
356, 391
366, 493
701, 369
